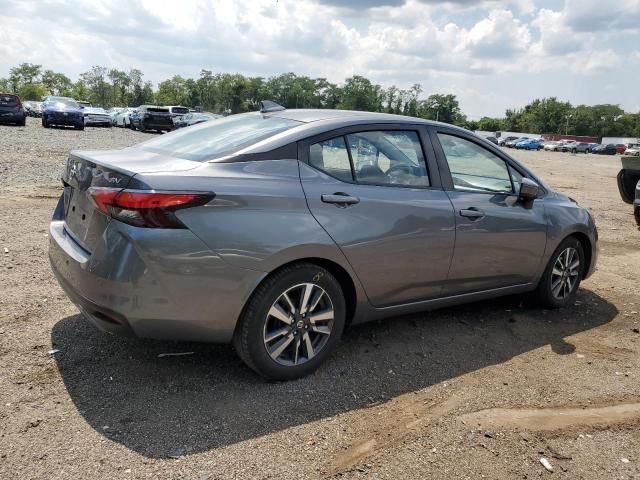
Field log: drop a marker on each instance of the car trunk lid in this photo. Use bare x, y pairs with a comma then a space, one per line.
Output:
85, 170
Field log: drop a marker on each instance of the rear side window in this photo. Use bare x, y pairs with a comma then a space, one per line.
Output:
225, 136
180, 110
8, 100
157, 110
332, 157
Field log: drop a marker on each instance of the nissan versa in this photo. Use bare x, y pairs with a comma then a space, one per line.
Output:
277, 228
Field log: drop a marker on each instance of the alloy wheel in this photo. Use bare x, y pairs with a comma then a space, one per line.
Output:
298, 324
564, 274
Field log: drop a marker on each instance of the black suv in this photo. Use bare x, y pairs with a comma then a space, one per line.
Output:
149, 117
11, 109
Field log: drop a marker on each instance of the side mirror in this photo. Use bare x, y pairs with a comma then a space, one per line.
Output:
528, 190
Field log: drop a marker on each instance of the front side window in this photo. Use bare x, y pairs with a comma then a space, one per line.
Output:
474, 168
392, 158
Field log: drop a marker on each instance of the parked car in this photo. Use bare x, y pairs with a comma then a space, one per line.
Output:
504, 140
96, 116
633, 150
551, 145
11, 110
121, 119
577, 147
149, 117
529, 144
621, 148
62, 111
178, 216
177, 111
493, 140
112, 112
512, 143
629, 184
608, 149
33, 109
194, 118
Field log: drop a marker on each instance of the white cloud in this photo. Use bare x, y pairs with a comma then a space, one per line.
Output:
471, 47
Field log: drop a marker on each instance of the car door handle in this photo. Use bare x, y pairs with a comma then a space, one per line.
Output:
340, 199
472, 213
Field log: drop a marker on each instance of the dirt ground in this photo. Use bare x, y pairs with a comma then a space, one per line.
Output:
481, 391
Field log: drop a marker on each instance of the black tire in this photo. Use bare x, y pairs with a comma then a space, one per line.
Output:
636, 214
249, 338
45, 124
79, 127
132, 126
573, 150
23, 123
545, 291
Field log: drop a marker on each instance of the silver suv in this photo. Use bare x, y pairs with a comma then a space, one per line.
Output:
276, 229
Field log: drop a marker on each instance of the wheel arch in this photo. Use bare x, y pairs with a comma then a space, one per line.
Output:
585, 241
343, 277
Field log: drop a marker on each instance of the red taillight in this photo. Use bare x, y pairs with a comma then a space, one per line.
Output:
145, 209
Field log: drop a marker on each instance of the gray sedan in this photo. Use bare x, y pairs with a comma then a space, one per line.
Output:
276, 229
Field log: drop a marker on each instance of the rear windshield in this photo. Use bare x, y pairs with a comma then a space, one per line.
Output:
180, 110
157, 110
223, 137
8, 100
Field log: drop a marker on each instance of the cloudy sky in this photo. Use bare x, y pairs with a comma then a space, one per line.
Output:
492, 54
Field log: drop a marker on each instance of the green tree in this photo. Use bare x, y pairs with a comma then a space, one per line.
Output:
56, 83
24, 74
358, 93
443, 108
32, 91
488, 124
98, 90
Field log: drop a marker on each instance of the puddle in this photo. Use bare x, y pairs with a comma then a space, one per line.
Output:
547, 419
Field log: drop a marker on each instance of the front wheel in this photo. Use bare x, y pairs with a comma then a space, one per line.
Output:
292, 322
563, 275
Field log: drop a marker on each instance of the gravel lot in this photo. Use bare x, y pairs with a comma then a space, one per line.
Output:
484, 390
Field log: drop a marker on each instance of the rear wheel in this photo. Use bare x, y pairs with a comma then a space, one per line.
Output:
292, 322
563, 274
45, 124
573, 150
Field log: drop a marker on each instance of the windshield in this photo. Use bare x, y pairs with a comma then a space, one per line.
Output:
62, 102
215, 139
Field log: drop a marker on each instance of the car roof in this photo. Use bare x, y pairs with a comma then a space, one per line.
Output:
319, 121
313, 115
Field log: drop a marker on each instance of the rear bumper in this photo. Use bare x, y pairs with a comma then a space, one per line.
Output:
153, 283
97, 121
153, 125
12, 117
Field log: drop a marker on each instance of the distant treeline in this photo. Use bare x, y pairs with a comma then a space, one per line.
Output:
235, 93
